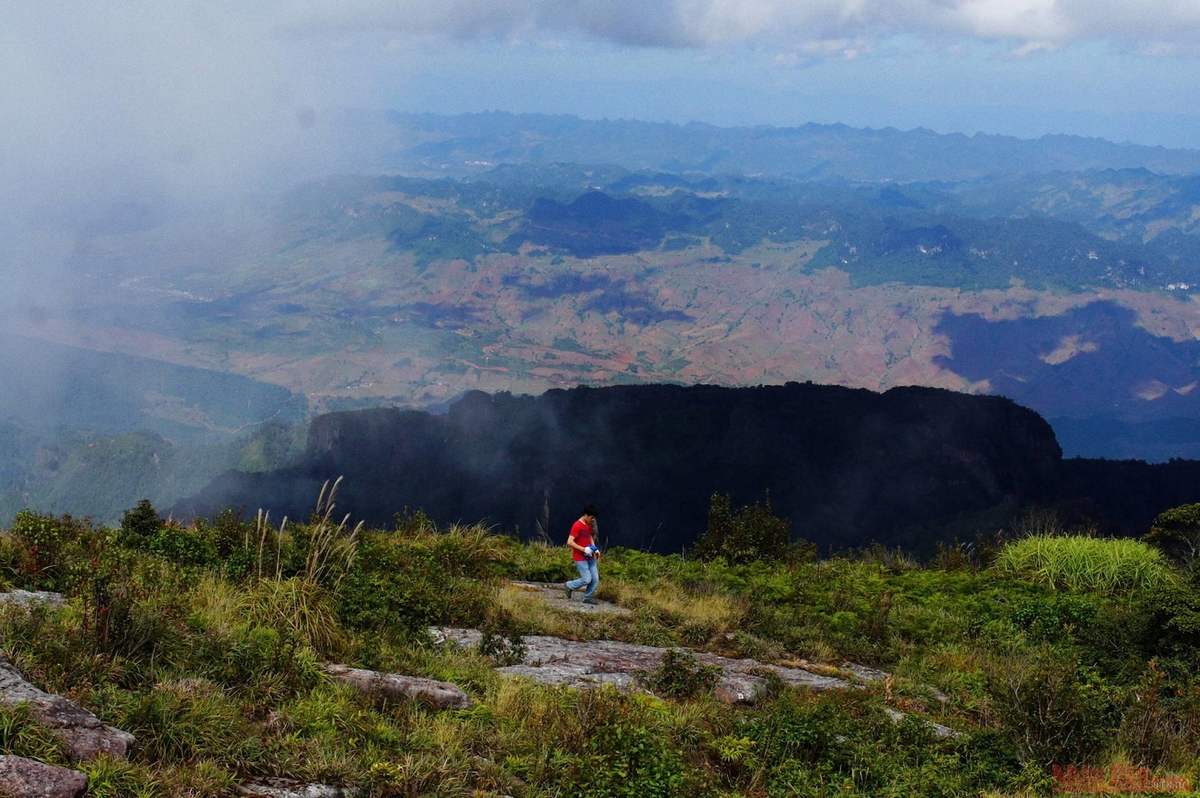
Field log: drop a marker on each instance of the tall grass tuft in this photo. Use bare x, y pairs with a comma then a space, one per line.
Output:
332, 548
1082, 563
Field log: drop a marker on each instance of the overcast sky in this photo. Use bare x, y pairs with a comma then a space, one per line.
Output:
209, 94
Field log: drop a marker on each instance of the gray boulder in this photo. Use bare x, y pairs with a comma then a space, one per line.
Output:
28, 778
85, 735
28, 598
430, 692
283, 788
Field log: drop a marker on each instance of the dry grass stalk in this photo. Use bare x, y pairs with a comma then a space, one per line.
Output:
332, 549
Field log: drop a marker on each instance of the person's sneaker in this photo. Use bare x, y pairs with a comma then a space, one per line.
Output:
590, 600
569, 592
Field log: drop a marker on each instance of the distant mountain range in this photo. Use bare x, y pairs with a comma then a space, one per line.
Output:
808, 152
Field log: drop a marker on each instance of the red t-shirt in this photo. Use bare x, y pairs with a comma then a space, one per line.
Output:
583, 537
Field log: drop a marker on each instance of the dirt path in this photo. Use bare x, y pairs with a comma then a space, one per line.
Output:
553, 594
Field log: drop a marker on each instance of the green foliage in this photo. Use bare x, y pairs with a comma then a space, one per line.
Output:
619, 752
140, 523
502, 639
1054, 617
217, 669
748, 533
184, 546
21, 735
1080, 563
1177, 532
46, 540
796, 745
681, 675
1057, 711
399, 585
109, 777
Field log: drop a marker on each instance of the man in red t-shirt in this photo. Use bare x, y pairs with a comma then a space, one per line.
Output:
585, 554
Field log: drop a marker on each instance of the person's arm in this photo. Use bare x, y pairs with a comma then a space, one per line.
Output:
573, 545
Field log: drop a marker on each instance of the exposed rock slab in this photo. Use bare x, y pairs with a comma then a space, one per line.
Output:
585, 664
939, 731
552, 594
432, 693
553, 660
875, 676
85, 735
29, 598
28, 778
282, 788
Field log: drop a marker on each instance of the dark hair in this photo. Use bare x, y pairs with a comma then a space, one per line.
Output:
591, 510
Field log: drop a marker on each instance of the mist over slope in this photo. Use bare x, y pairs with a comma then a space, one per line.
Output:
906, 467
1058, 272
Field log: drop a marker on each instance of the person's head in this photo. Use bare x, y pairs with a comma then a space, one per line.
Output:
589, 513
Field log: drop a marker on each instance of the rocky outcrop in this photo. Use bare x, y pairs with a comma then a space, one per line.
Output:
31, 598
430, 692
282, 788
592, 663
84, 735
553, 660
28, 778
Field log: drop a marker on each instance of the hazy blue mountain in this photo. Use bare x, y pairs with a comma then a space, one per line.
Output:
809, 151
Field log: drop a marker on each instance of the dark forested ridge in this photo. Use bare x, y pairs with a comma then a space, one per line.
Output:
908, 466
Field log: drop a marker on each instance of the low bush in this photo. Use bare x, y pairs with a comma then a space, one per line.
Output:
1057, 711
746, 533
399, 585
680, 675
185, 546
1177, 532
140, 523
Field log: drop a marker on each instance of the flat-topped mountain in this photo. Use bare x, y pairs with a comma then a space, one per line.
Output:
846, 466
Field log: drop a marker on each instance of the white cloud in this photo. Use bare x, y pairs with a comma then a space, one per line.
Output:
207, 92
708, 23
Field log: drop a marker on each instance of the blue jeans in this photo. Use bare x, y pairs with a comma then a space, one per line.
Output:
589, 577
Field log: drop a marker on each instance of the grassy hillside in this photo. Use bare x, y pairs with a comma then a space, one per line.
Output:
206, 642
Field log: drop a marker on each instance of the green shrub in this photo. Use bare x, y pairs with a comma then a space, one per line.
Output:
1080, 563
1177, 532
399, 585
135, 606
681, 675
140, 523
1056, 711
1053, 618
184, 546
1173, 627
623, 754
43, 561
748, 533
502, 638
229, 532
